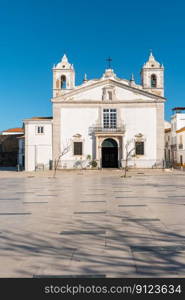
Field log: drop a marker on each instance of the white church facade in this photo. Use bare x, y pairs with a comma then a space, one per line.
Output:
100, 120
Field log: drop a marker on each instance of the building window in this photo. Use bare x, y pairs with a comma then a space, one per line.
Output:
77, 148
40, 129
153, 81
139, 146
110, 95
109, 118
181, 160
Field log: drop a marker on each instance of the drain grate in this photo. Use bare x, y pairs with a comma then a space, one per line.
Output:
47, 195
176, 196
132, 205
125, 197
29, 202
122, 191
9, 199
14, 214
82, 232
95, 201
140, 219
96, 189
24, 192
158, 248
94, 194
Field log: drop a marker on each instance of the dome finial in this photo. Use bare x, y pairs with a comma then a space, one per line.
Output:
85, 77
132, 80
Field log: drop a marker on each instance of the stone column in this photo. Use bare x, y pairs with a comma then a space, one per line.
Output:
160, 134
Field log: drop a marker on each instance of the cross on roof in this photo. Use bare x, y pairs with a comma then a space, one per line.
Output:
109, 59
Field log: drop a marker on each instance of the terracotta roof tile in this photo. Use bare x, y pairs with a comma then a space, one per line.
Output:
41, 118
167, 129
180, 130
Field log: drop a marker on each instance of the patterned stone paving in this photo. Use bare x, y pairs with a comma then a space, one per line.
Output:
98, 224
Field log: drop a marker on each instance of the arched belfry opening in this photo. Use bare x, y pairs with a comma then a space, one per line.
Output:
109, 153
153, 81
63, 82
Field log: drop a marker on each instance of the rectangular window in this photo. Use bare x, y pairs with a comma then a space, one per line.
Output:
77, 148
169, 157
139, 148
109, 118
40, 129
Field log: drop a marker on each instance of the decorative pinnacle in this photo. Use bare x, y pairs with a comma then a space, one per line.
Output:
132, 77
64, 58
109, 60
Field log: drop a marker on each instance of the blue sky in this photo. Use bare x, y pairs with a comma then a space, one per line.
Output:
36, 34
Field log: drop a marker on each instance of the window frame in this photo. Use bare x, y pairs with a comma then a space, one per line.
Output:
151, 80
143, 148
79, 142
38, 131
63, 82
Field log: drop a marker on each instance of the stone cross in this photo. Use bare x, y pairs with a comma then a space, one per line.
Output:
109, 59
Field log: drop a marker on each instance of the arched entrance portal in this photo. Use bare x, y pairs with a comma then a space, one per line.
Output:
109, 154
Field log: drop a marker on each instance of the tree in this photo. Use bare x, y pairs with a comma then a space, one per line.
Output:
65, 150
128, 155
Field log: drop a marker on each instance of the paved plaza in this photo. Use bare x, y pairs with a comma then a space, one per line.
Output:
92, 224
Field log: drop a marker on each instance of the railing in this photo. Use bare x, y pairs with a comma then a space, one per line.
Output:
102, 129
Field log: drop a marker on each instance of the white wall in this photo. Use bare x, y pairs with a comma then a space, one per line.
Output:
180, 120
96, 94
38, 147
177, 121
141, 120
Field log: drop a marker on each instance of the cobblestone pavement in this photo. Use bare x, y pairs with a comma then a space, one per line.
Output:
92, 223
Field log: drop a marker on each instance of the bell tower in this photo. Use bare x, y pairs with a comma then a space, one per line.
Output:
63, 77
152, 76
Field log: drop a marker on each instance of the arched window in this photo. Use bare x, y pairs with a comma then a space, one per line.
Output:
153, 81
110, 95
63, 82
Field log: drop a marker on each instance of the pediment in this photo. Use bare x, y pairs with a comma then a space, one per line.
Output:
107, 90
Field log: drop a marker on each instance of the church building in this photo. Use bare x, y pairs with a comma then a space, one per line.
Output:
102, 121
